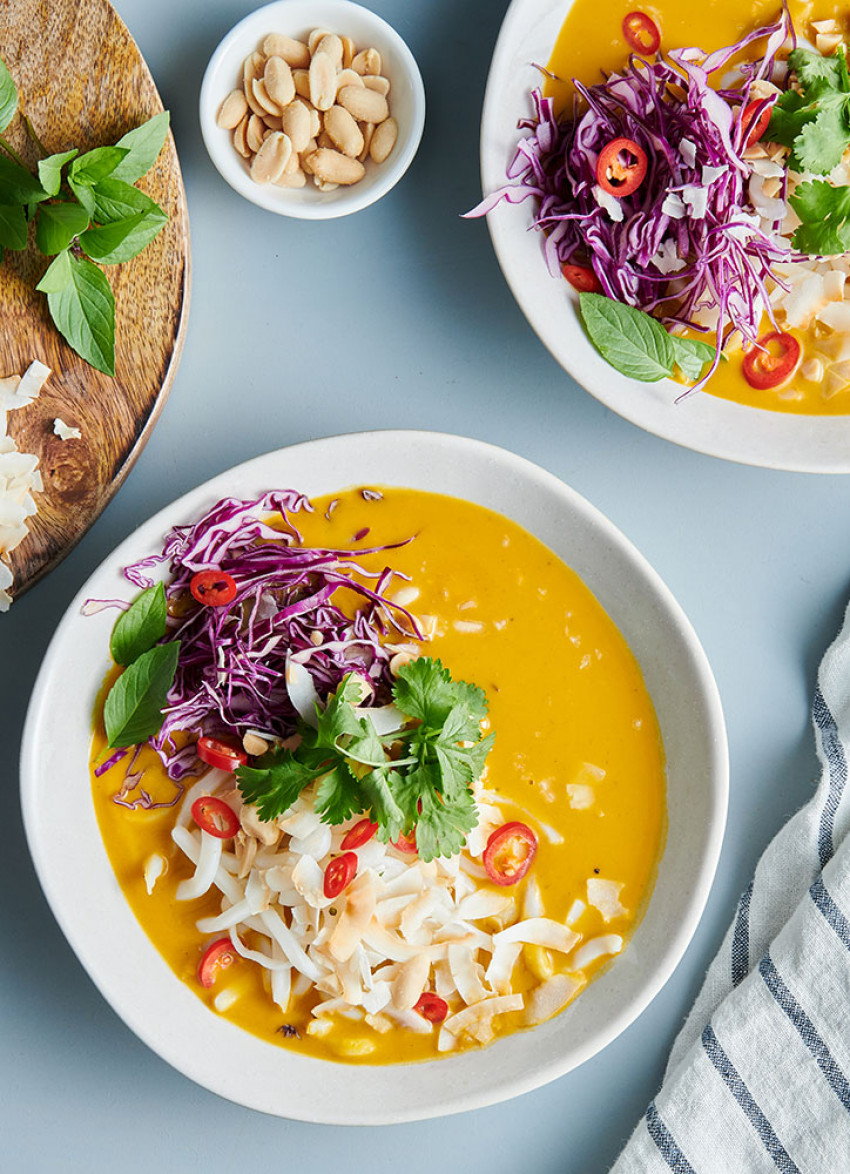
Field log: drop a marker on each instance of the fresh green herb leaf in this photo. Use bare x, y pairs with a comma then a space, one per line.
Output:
378, 789
142, 145
58, 225
114, 200
120, 241
95, 165
637, 344
633, 342
338, 795
442, 827
816, 123
57, 275
824, 211
84, 194
133, 708
50, 170
424, 689
8, 97
84, 313
691, 355
13, 226
276, 781
141, 626
17, 185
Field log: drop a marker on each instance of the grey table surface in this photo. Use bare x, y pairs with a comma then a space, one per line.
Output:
402, 319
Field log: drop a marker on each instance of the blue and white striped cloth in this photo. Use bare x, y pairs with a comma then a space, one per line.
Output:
759, 1077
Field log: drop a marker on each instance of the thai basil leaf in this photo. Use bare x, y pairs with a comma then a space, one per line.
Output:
84, 312
140, 627
142, 145
133, 708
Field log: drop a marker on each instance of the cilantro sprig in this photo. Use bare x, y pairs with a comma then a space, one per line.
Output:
426, 786
85, 209
814, 120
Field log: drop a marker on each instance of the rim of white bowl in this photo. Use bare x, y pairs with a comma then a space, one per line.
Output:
407, 106
84, 895
703, 423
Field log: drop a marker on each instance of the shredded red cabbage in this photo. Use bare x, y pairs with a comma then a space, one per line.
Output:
693, 139
230, 675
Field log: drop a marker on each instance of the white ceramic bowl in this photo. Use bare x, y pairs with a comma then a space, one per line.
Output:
79, 883
296, 18
816, 444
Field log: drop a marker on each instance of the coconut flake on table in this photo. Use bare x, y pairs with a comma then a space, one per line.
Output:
19, 474
66, 431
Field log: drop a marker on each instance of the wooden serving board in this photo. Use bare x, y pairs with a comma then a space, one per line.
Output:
83, 83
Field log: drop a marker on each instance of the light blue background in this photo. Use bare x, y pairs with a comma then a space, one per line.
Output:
399, 317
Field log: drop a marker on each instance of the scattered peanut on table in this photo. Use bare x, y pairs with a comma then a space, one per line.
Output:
312, 108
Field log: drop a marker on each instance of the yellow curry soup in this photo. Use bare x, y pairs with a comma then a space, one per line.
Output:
577, 755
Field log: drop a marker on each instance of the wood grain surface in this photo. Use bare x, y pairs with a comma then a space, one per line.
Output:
83, 83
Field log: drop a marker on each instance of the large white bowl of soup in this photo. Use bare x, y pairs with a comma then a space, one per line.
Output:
610, 754
801, 425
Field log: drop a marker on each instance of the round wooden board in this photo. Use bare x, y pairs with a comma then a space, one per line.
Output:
83, 83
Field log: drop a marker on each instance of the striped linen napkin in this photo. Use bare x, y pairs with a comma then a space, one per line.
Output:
759, 1077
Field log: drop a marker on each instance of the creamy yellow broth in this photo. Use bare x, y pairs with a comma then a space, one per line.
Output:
591, 45
563, 690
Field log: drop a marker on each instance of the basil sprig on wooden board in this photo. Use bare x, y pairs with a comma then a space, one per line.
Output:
133, 708
637, 344
85, 209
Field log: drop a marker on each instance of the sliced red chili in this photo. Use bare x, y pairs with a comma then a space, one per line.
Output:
581, 277
216, 817
752, 133
216, 958
220, 753
773, 361
432, 1007
406, 843
641, 32
509, 853
213, 588
359, 835
621, 167
339, 874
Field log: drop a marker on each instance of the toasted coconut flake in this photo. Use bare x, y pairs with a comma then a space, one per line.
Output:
502, 962
360, 904
540, 931
410, 981
470, 1017
604, 895
467, 974
66, 431
596, 948
552, 996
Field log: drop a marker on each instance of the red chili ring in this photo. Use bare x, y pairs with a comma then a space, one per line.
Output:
641, 32
621, 167
213, 588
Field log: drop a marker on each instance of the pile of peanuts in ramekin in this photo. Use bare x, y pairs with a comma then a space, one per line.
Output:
316, 107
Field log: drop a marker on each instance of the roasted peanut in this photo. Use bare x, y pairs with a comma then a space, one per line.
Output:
295, 53
343, 130
369, 61
232, 110
322, 81
279, 84
376, 82
383, 140
271, 159
365, 105
334, 167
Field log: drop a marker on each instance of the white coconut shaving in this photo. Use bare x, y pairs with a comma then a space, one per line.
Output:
19, 474
66, 431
